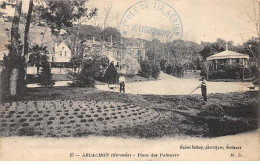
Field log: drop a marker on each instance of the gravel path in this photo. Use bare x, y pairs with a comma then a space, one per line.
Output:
169, 85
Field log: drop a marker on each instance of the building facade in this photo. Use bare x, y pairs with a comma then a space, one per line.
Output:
62, 53
126, 55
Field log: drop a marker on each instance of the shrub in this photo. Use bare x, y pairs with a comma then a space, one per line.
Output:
27, 132
100, 119
49, 122
80, 116
83, 120
89, 72
155, 70
110, 74
212, 109
145, 70
51, 118
163, 65
242, 109
179, 71
39, 119
22, 120
169, 69
93, 68
175, 70
83, 80
45, 77
230, 72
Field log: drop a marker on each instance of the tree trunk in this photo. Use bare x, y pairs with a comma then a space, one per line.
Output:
14, 51
15, 28
14, 82
26, 35
38, 68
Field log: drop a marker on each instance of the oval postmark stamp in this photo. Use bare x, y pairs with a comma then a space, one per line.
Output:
151, 19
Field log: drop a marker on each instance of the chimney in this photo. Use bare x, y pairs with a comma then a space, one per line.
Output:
93, 40
226, 46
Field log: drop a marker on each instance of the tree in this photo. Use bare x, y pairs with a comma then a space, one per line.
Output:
27, 28
207, 50
107, 18
37, 56
256, 18
163, 65
111, 32
76, 61
131, 64
154, 50
215, 47
14, 61
93, 68
59, 14
145, 70
111, 74
76, 37
45, 76
155, 70
252, 48
12, 76
101, 63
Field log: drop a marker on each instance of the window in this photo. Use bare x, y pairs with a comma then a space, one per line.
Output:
60, 53
65, 53
139, 53
62, 48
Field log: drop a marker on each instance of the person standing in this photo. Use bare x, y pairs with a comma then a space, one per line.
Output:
203, 87
122, 83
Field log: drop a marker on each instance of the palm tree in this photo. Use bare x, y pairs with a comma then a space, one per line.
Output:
37, 54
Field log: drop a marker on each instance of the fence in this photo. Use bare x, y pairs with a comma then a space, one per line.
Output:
61, 71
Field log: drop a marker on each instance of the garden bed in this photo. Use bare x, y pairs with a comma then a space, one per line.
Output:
70, 118
66, 112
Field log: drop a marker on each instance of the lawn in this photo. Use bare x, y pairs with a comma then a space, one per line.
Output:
66, 112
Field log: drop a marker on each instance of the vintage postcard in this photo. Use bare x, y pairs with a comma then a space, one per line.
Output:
129, 80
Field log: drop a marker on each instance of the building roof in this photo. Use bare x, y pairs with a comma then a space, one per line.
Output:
227, 55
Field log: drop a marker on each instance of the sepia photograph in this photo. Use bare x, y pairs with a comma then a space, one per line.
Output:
129, 80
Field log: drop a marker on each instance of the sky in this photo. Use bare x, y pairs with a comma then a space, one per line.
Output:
202, 20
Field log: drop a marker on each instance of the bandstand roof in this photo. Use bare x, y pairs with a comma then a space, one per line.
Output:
227, 55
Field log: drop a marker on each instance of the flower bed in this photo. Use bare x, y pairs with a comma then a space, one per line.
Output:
70, 118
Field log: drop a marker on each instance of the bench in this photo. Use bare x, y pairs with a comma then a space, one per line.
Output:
251, 88
112, 86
